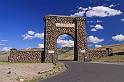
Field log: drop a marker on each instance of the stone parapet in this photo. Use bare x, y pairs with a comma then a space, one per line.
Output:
26, 56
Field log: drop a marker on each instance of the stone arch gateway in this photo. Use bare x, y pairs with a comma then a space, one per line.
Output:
56, 25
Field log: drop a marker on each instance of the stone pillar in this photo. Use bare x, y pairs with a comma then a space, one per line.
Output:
13, 52
109, 51
81, 38
50, 40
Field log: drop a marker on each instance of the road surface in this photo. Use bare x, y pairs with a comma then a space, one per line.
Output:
87, 72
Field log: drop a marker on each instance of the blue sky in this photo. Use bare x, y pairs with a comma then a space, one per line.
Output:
22, 25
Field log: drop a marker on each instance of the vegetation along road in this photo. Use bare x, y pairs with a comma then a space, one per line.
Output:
88, 72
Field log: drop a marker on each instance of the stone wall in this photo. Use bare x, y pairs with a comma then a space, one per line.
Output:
26, 56
95, 54
39, 56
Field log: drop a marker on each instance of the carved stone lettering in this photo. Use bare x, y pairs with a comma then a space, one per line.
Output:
65, 25
51, 51
83, 51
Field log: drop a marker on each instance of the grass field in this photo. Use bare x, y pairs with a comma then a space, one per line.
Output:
70, 56
114, 58
67, 56
115, 47
4, 56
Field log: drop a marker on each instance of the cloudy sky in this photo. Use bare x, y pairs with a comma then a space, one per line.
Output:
22, 25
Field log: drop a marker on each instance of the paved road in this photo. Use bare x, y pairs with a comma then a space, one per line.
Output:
87, 72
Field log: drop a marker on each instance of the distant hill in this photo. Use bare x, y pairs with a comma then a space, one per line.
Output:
63, 50
116, 48
32, 49
4, 56
67, 55
2, 52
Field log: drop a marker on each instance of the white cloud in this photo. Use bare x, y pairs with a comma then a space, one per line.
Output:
90, 45
122, 19
62, 36
39, 35
65, 43
112, 5
80, 13
84, 9
93, 29
93, 39
40, 45
119, 37
97, 46
1, 44
6, 49
96, 27
102, 11
61, 41
27, 37
98, 11
31, 35
31, 32
97, 21
3, 40
90, 21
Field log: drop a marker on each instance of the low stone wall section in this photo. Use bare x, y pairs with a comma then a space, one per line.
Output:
95, 54
26, 56
39, 56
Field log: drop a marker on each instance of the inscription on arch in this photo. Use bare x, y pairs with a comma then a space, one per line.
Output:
65, 25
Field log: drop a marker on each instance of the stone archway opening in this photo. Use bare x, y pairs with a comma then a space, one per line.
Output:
65, 47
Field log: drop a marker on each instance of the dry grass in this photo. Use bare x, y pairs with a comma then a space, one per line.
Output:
67, 56
114, 58
58, 68
13, 72
115, 47
4, 56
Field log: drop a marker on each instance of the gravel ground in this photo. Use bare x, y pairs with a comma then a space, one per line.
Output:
17, 72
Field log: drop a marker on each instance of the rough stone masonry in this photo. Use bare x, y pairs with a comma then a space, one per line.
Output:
56, 25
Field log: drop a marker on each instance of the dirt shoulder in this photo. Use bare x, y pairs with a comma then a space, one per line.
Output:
23, 72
